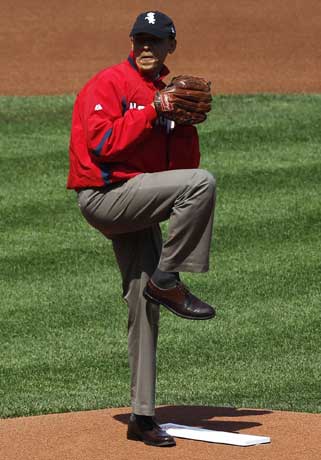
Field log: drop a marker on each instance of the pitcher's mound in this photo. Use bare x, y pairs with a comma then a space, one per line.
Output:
101, 435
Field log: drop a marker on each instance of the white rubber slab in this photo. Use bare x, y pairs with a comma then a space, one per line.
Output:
220, 437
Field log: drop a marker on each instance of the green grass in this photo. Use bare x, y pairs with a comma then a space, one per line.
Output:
63, 324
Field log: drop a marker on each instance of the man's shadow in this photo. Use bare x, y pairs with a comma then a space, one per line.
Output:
202, 416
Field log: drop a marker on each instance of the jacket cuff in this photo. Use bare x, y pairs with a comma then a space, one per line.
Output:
150, 113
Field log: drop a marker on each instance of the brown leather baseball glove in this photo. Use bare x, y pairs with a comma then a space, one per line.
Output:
186, 100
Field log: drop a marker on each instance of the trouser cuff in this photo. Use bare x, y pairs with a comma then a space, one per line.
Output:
143, 410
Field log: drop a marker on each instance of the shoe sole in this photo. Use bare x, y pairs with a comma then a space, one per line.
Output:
149, 297
135, 437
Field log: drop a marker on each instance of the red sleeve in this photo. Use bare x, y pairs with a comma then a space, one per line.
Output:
110, 128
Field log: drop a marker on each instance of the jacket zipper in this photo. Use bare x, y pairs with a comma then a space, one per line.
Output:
168, 138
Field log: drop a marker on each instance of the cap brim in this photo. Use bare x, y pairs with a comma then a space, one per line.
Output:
155, 33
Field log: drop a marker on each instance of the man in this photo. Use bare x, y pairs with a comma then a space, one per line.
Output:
132, 169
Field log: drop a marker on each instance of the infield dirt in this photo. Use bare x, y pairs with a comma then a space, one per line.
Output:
243, 46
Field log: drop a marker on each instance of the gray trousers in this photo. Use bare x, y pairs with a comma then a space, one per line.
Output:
129, 214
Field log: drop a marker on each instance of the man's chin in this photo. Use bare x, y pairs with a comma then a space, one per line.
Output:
147, 67
149, 71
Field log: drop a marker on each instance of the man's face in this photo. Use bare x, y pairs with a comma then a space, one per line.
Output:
150, 52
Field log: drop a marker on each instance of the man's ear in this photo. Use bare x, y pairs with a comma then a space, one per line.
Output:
131, 43
172, 45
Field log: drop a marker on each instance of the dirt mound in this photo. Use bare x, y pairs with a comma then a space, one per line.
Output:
101, 435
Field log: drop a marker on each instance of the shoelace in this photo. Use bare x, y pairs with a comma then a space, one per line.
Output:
147, 422
183, 288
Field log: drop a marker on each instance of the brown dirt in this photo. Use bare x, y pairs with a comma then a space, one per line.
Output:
243, 46
101, 435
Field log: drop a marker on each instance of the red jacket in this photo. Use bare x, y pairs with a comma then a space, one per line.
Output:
115, 132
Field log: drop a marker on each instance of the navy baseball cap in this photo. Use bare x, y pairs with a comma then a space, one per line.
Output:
154, 23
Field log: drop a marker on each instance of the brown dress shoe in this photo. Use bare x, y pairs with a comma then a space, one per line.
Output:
144, 428
179, 300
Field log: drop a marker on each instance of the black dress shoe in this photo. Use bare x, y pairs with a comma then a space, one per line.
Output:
179, 300
144, 428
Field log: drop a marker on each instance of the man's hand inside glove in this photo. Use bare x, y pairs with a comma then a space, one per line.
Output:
186, 100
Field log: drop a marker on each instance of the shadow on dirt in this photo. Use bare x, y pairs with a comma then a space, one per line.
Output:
204, 417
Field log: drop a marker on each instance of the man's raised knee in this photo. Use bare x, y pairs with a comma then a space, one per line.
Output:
206, 178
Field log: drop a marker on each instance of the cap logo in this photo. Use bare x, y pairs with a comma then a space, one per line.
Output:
150, 17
